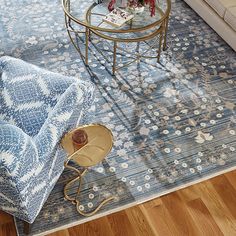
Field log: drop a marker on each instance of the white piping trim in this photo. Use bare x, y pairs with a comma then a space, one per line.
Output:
17, 232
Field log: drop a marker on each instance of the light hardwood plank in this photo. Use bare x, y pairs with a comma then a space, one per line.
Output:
139, 221
202, 217
60, 233
217, 208
231, 176
227, 194
100, 227
180, 215
121, 218
160, 219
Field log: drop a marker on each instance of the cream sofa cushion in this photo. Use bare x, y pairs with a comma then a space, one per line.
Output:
220, 6
230, 17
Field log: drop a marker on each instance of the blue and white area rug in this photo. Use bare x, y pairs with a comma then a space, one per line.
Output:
174, 123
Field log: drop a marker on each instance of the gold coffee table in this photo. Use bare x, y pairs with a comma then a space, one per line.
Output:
83, 19
100, 142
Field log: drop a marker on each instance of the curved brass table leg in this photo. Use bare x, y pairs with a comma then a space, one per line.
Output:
165, 33
160, 47
78, 178
74, 199
96, 209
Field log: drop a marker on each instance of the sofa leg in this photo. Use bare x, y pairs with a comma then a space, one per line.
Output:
27, 228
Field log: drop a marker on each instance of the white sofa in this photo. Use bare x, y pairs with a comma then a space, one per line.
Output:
220, 15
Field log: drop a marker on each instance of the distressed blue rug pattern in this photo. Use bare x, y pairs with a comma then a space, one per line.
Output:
174, 123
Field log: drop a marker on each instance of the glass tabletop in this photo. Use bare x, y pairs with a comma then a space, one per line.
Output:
91, 13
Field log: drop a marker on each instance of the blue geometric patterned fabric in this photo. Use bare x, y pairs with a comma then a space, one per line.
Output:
36, 108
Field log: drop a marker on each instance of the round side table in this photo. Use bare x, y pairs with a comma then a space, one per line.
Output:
98, 146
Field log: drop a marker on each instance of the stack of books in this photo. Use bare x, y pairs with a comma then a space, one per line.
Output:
118, 17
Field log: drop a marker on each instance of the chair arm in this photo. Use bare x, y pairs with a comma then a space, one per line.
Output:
72, 104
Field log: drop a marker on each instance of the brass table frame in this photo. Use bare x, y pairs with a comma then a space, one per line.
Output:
86, 161
100, 32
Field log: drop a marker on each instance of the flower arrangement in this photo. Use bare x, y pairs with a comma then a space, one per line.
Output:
133, 4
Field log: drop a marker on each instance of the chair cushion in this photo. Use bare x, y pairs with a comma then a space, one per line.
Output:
220, 6
230, 17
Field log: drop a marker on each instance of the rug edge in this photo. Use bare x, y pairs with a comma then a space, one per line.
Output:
134, 203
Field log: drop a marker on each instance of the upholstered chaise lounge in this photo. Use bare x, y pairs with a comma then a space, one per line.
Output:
36, 108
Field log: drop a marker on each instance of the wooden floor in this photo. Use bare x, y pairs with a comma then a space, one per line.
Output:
208, 209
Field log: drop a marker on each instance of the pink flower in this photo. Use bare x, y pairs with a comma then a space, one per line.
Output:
111, 5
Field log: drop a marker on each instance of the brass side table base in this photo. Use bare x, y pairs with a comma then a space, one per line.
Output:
100, 141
